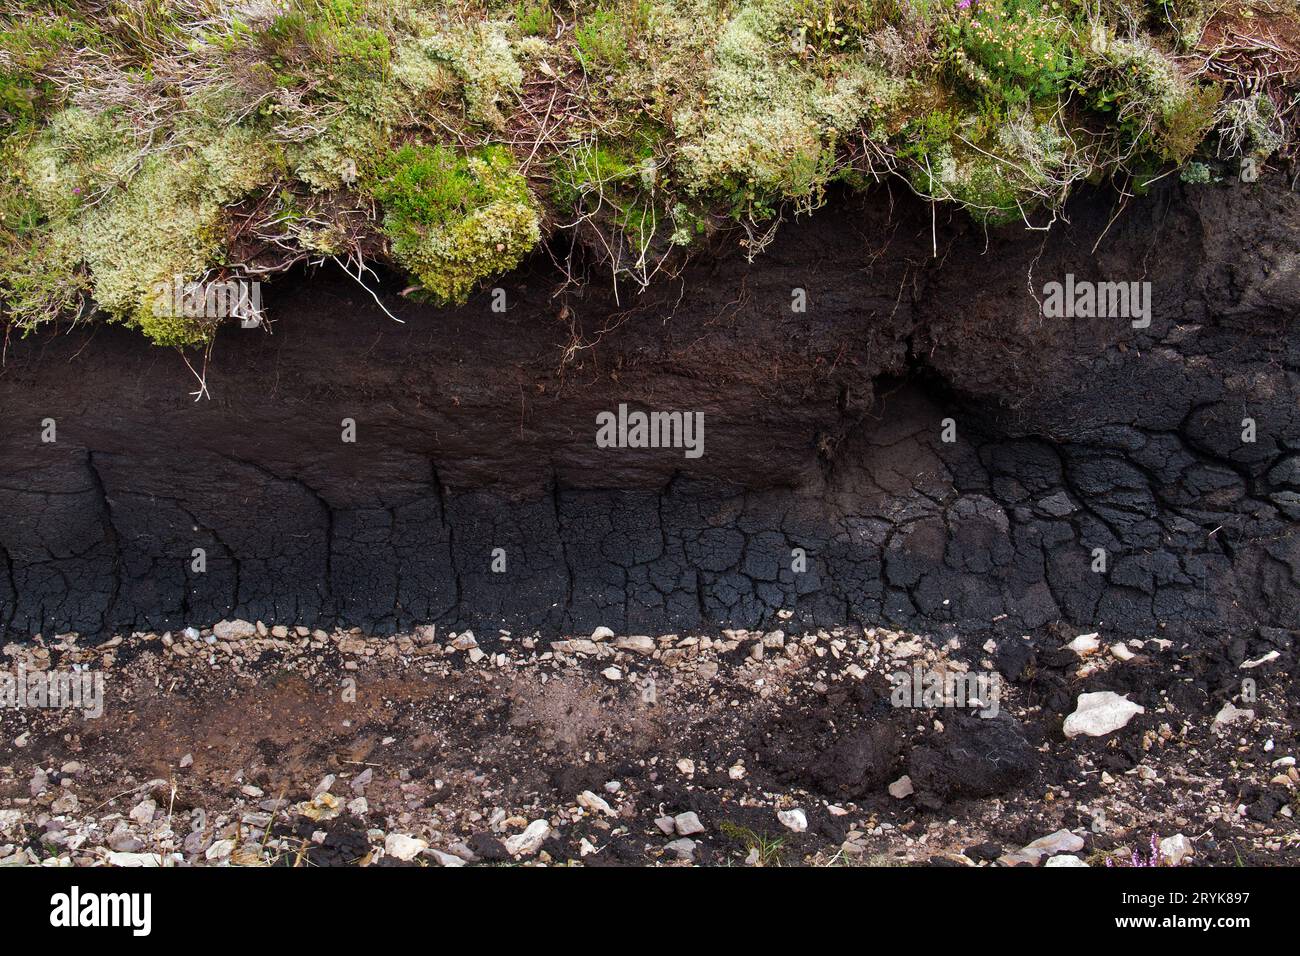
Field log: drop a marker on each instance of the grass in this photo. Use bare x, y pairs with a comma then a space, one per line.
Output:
449, 137
767, 850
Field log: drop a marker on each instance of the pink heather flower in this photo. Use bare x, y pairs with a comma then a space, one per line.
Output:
963, 4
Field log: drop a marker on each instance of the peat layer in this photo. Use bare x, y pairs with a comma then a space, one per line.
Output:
824, 431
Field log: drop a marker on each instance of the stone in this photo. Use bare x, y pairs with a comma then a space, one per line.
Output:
687, 824
612, 673
665, 823
683, 849
601, 633
1065, 859
594, 804
219, 850
446, 859
143, 811
1228, 716
902, 787
530, 841
235, 630
403, 847
638, 644
1085, 644
795, 820
1176, 848
1101, 713
1062, 841
463, 642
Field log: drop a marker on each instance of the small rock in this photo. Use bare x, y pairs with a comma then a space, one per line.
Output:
1176, 848
1121, 652
795, 820
463, 642
1101, 713
638, 644
1062, 841
446, 859
220, 850
665, 823
530, 841
594, 804
612, 673
902, 787
1228, 716
687, 824
403, 847
1085, 644
686, 765
144, 811
1065, 859
683, 849
601, 633
236, 630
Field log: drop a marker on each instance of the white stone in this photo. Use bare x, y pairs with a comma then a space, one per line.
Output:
220, 850
795, 820
612, 673
1062, 841
144, 811
1101, 713
686, 765
687, 824
902, 787
1065, 859
601, 633
446, 859
1121, 652
637, 644
1085, 644
1176, 848
594, 804
1228, 716
530, 841
404, 847
236, 630
1270, 656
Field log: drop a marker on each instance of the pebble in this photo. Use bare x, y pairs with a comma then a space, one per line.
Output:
530, 841
601, 633
594, 804
1065, 859
687, 824
402, 846
1101, 713
902, 787
220, 850
683, 849
1228, 716
446, 859
667, 824
795, 820
1176, 848
144, 811
1085, 644
612, 673
639, 644
1062, 841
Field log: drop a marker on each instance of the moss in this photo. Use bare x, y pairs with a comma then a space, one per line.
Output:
141, 229
455, 219
477, 57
